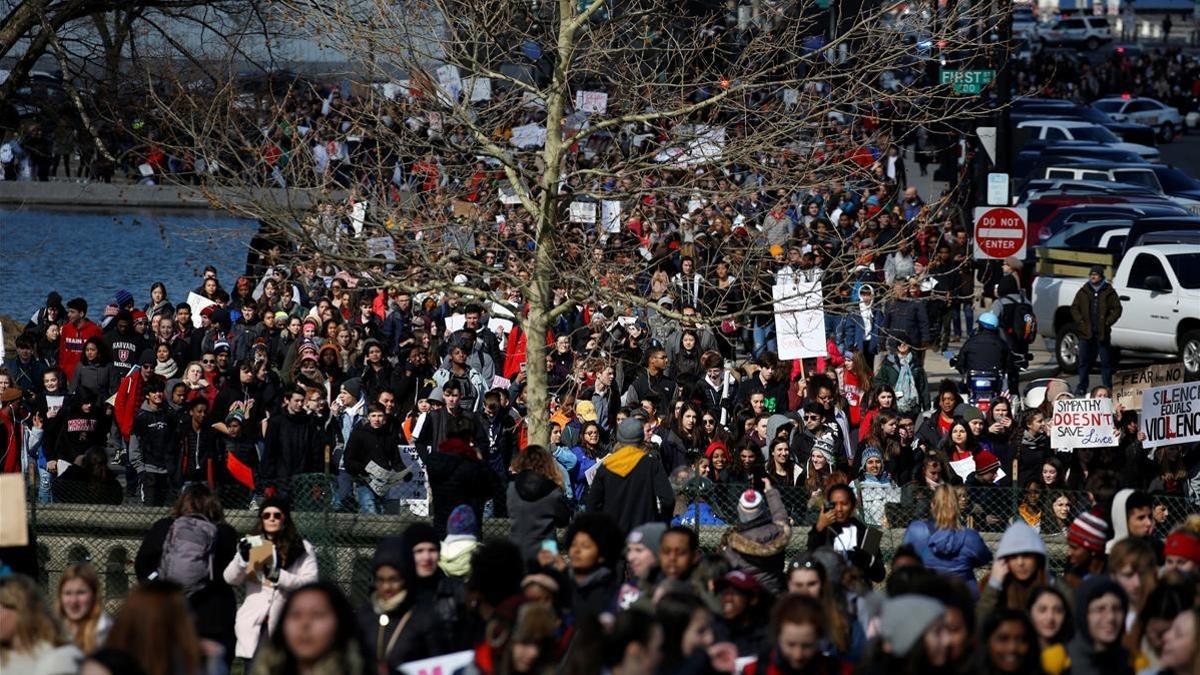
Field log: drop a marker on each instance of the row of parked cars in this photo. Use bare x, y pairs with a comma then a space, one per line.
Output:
1096, 193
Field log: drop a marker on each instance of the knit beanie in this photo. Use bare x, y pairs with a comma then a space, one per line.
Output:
751, 506
390, 552
648, 535
122, 297
1184, 545
905, 619
1020, 538
868, 454
985, 460
282, 503
713, 447
629, 432
968, 412
353, 386
461, 521
1089, 531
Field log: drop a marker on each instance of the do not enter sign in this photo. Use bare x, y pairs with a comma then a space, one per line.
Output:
999, 233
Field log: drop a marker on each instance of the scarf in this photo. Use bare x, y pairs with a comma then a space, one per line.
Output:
166, 368
1034, 518
906, 384
386, 606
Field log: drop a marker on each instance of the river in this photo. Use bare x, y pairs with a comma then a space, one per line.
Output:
92, 255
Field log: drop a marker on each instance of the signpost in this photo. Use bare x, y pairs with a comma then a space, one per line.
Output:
999, 232
967, 81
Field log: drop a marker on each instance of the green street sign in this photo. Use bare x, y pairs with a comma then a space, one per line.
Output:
968, 81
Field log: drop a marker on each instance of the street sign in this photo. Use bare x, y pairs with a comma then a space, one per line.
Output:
967, 81
997, 189
999, 232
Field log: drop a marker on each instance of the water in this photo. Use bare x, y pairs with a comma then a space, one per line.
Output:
91, 255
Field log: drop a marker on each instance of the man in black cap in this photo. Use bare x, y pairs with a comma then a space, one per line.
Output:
1094, 310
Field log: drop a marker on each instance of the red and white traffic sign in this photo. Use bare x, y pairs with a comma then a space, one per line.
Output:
1000, 232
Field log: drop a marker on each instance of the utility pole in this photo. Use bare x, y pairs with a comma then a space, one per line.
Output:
1004, 136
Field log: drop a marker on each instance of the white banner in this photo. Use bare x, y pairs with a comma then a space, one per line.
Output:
1082, 423
799, 320
450, 81
508, 194
1171, 414
381, 247
480, 88
446, 664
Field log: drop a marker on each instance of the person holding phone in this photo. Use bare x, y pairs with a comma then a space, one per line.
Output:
838, 527
290, 563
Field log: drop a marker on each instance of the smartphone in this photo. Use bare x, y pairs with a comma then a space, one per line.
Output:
550, 545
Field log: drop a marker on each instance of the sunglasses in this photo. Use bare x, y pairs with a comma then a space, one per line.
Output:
271, 515
813, 418
208, 362
709, 421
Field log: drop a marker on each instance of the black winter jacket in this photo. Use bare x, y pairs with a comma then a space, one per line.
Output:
152, 442
632, 487
536, 505
368, 445
455, 480
290, 441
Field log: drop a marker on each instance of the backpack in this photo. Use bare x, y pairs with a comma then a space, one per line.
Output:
187, 557
1019, 322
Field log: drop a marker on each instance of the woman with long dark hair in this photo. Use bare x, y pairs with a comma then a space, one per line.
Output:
95, 371
156, 629
687, 625
283, 561
1020, 568
782, 470
1008, 645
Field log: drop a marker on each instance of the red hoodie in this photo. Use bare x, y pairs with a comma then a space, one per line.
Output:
70, 345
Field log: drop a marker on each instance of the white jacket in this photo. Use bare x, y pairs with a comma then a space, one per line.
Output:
265, 599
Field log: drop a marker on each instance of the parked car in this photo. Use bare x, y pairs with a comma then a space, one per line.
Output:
1041, 187
1159, 288
1148, 111
1078, 130
1023, 21
1185, 191
1075, 31
1036, 154
1026, 108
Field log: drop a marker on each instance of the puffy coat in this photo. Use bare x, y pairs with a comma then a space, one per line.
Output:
1090, 326
536, 505
907, 320
264, 600
758, 546
952, 552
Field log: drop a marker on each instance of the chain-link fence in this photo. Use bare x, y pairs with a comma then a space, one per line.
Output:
87, 522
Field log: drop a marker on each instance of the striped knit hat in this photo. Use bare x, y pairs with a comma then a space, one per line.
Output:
1089, 531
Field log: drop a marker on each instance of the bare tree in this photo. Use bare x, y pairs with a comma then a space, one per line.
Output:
579, 146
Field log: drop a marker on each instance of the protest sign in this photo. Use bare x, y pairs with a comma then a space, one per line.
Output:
449, 81
610, 215
591, 101
413, 494
508, 194
358, 217
14, 520
460, 208
1082, 423
528, 136
446, 664
381, 247
197, 303
1128, 385
1171, 414
583, 212
799, 320
478, 88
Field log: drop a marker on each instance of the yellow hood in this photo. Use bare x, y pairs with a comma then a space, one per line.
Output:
623, 460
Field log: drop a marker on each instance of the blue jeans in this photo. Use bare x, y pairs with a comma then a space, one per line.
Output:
368, 501
968, 314
764, 339
44, 494
1088, 349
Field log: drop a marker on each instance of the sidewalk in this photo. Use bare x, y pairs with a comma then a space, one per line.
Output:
1041, 364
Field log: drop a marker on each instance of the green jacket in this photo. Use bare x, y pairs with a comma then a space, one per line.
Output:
1096, 327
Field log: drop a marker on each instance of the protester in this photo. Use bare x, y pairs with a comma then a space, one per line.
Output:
80, 607
155, 628
289, 564
317, 633
31, 640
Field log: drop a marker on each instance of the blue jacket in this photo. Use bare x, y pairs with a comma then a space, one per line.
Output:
952, 552
852, 332
688, 517
907, 320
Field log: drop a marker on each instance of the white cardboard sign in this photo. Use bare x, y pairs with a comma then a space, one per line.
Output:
591, 101
1082, 423
583, 212
1171, 414
799, 320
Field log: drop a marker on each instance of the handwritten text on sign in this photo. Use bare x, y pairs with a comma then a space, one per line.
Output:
1082, 423
1171, 414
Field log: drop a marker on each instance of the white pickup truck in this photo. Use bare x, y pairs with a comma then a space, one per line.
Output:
1159, 288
